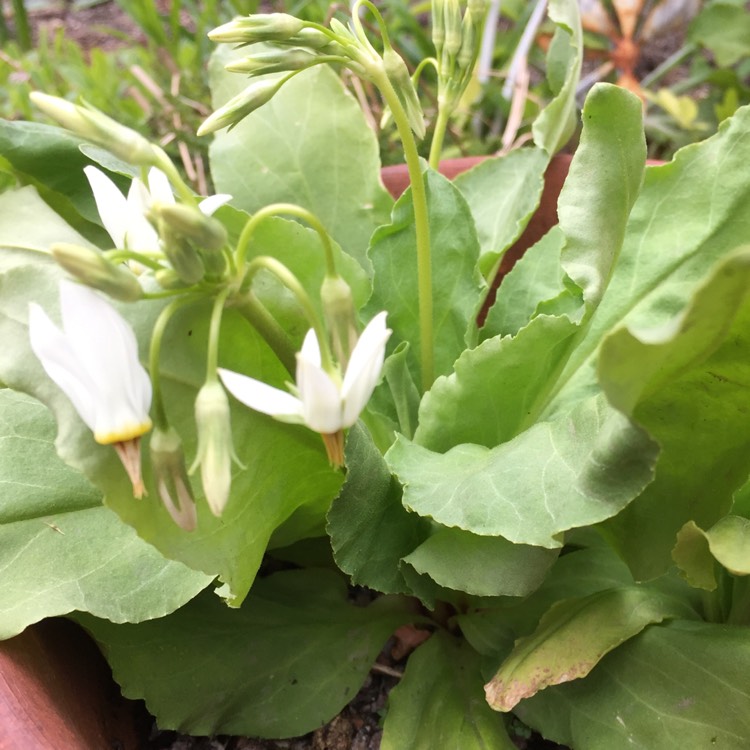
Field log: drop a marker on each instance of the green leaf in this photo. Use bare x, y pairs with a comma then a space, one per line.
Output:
535, 486
281, 491
694, 368
724, 29
683, 684
557, 121
536, 276
26, 221
573, 635
494, 388
60, 549
729, 540
285, 663
602, 186
369, 528
309, 145
693, 557
456, 290
439, 702
482, 566
502, 193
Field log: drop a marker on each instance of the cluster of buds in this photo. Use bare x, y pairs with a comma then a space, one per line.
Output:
291, 46
457, 40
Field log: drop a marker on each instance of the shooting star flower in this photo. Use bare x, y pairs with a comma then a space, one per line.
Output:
320, 401
94, 361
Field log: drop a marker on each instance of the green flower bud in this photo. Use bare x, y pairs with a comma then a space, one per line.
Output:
398, 74
314, 39
452, 28
93, 269
261, 27
469, 48
478, 9
96, 127
182, 256
340, 317
168, 278
192, 224
438, 26
273, 61
215, 450
255, 95
170, 476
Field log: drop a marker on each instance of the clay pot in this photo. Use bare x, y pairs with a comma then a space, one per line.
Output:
56, 690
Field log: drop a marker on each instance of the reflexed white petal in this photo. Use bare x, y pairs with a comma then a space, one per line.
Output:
106, 348
111, 204
311, 349
261, 397
60, 362
159, 187
321, 400
140, 235
214, 202
363, 371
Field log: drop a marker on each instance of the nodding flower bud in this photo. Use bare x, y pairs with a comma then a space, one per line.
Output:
181, 254
340, 317
261, 27
93, 269
170, 476
398, 74
192, 224
273, 60
215, 450
94, 126
255, 95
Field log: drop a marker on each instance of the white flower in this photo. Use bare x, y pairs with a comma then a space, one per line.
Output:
125, 218
321, 403
94, 361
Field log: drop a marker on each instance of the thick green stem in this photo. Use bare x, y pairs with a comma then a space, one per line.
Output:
438, 136
265, 324
421, 225
290, 281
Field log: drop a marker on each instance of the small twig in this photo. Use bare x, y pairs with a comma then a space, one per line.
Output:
364, 103
383, 669
187, 162
518, 103
201, 182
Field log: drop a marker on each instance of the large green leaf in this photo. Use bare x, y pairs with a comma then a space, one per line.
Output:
439, 702
482, 566
60, 549
684, 381
284, 485
309, 145
573, 635
724, 29
26, 221
502, 193
557, 121
285, 663
680, 685
454, 252
552, 477
370, 529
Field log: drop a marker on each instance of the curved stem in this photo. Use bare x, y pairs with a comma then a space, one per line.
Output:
275, 209
421, 224
160, 414
290, 281
378, 19
120, 256
166, 165
214, 331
